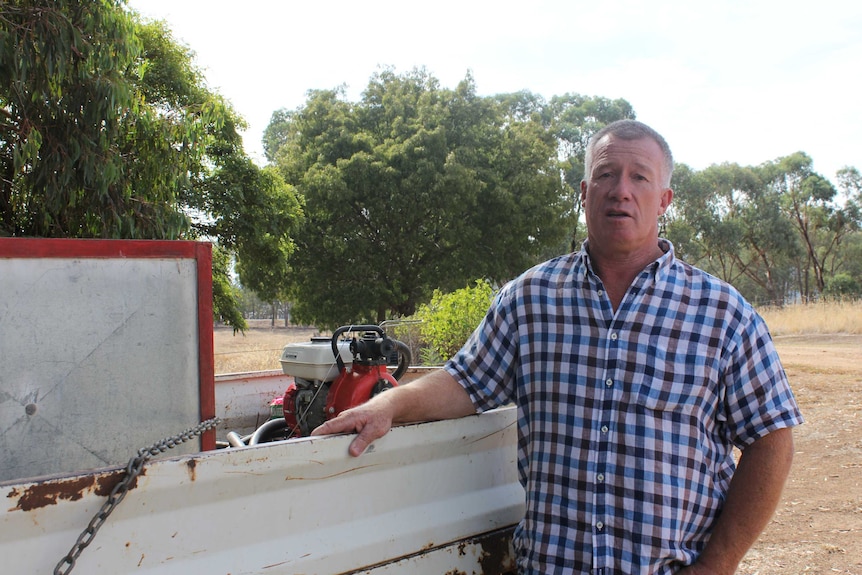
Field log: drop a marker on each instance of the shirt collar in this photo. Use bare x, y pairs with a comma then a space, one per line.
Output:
658, 268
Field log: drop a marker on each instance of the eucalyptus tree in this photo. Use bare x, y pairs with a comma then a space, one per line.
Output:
847, 223
811, 203
726, 220
414, 188
65, 103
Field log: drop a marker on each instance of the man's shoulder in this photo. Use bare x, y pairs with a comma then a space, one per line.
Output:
554, 267
705, 283
550, 273
543, 278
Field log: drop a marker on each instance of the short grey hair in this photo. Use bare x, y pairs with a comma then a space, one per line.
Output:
629, 130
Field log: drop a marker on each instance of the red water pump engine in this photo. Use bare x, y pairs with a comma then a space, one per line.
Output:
325, 385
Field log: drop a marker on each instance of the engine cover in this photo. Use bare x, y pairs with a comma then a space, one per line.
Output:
314, 361
305, 406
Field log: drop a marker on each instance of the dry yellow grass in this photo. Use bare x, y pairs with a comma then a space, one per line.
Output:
839, 317
260, 348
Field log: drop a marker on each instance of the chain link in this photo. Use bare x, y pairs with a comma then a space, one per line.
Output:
133, 469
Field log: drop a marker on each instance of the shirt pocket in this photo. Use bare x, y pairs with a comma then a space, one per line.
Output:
664, 396
682, 381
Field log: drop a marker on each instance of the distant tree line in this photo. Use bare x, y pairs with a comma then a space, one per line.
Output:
366, 207
779, 231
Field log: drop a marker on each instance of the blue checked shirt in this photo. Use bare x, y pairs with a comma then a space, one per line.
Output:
626, 420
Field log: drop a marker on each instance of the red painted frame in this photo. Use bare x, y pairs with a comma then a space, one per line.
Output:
201, 252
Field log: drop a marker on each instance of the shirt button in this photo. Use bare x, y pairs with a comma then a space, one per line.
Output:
600, 477
601, 293
609, 382
600, 525
605, 429
613, 337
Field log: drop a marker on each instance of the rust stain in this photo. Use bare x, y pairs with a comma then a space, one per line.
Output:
192, 465
497, 555
492, 550
51, 491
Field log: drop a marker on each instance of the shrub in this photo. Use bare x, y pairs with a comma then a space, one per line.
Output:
842, 286
449, 319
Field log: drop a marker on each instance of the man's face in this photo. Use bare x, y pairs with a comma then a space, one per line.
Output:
624, 194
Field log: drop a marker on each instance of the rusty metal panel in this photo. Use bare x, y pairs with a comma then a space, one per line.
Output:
486, 554
298, 506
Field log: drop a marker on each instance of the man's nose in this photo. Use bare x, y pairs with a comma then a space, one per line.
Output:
623, 188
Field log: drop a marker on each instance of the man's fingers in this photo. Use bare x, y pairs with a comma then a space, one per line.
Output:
358, 446
368, 428
340, 424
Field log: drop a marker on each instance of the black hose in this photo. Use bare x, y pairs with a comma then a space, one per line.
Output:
268, 428
404, 359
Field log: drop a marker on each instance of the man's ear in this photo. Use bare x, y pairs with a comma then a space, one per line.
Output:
583, 190
666, 198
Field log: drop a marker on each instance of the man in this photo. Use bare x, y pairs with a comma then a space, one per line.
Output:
634, 376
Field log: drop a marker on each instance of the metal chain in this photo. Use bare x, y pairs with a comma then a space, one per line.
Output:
133, 469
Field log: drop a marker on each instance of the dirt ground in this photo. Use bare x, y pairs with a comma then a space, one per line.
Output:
818, 526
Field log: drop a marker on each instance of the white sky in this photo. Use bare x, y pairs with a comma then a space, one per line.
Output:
743, 81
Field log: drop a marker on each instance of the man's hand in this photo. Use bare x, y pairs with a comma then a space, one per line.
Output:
371, 420
432, 397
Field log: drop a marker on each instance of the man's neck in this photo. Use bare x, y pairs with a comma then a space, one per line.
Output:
617, 272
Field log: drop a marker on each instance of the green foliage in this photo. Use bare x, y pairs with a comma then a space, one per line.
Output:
430, 356
416, 187
842, 287
449, 319
64, 100
225, 294
254, 213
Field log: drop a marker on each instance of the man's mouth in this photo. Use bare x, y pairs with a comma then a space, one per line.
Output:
617, 214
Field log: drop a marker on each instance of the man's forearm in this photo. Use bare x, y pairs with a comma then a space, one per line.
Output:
432, 397
754, 493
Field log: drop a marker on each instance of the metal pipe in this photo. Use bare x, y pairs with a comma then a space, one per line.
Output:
234, 439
